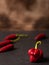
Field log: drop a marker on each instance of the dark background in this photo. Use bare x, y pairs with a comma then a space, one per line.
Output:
19, 55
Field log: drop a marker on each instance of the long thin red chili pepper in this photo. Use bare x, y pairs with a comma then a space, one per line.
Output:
6, 48
5, 42
15, 36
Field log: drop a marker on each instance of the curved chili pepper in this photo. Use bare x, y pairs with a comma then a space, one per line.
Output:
35, 54
15, 36
40, 36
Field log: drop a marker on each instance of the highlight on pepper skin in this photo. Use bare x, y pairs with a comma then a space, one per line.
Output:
35, 54
6, 48
40, 36
15, 37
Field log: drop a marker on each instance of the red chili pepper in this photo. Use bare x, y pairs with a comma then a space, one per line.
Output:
35, 54
5, 43
6, 48
40, 36
14, 36
10, 37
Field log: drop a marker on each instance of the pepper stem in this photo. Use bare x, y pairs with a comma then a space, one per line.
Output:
22, 35
19, 35
15, 39
36, 45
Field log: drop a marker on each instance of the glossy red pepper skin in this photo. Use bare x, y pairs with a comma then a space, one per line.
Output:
6, 42
6, 48
41, 54
10, 37
15, 36
35, 54
40, 36
32, 59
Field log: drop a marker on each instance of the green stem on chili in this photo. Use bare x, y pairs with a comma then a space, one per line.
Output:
37, 43
15, 39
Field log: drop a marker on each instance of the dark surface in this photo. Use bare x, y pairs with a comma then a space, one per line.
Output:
19, 55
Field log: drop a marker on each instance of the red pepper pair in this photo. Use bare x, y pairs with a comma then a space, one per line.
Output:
6, 45
35, 54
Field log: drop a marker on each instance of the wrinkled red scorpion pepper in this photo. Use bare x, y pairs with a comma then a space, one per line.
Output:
35, 54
